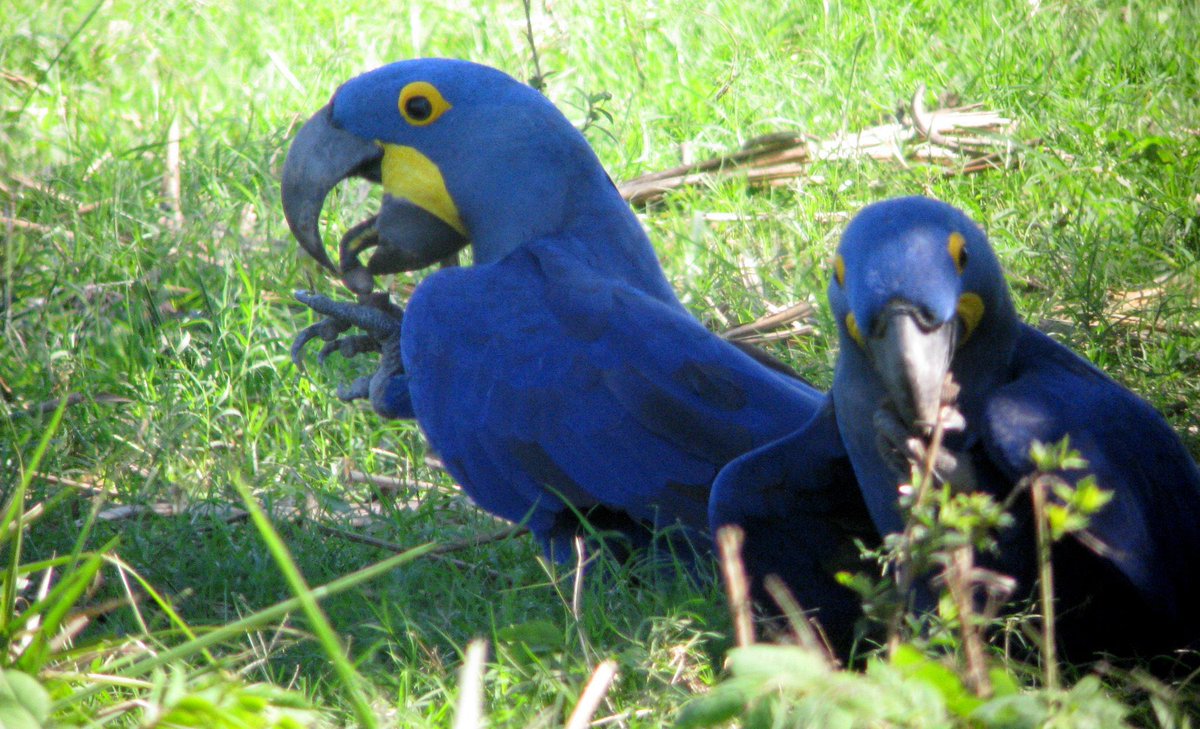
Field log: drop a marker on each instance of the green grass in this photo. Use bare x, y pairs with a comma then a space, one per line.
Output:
104, 293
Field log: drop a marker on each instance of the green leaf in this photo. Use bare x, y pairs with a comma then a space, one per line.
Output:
1059, 519
535, 634
1089, 497
1012, 711
915, 665
1041, 456
765, 661
716, 707
1003, 682
1155, 149
23, 701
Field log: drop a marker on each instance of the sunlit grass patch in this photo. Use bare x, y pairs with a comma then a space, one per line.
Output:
145, 269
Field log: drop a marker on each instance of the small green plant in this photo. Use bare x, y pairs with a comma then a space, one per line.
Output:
773, 686
909, 683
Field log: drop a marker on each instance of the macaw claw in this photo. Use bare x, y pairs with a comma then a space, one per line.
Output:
326, 329
359, 389
348, 346
374, 313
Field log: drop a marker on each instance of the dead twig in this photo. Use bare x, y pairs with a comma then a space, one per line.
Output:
74, 398
387, 485
806, 629
496, 536
439, 552
35, 227
962, 140
788, 318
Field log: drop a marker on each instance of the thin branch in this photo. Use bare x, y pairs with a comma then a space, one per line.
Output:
74, 398
539, 80
1049, 649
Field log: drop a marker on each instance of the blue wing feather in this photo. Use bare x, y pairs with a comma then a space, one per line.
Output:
1151, 525
798, 503
537, 380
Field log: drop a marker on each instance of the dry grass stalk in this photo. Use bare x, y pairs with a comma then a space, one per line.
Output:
469, 712
593, 694
737, 585
962, 140
35, 227
806, 629
173, 179
89, 487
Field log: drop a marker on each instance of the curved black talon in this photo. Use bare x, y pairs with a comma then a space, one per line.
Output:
348, 347
326, 330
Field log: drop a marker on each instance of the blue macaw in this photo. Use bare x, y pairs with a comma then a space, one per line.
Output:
557, 377
917, 292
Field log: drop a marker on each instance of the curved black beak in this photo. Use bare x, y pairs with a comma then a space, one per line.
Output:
320, 157
912, 354
405, 236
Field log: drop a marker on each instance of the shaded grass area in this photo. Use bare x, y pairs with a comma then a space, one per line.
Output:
178, 303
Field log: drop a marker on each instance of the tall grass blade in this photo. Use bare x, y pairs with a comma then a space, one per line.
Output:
317, 619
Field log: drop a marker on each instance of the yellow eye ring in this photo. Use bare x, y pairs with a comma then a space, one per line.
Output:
839, 270
421, 103
957, 246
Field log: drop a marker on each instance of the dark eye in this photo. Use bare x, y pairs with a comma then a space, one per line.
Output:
418, 108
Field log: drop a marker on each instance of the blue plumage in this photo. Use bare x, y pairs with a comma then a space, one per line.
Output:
610, 398
804, 519
917, 292
558, 375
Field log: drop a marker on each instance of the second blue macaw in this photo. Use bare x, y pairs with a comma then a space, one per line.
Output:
558, 377
917, 293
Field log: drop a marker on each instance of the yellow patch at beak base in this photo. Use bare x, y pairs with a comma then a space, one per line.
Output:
411, 175
855, 332
970, 310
